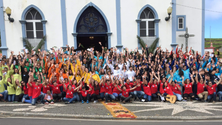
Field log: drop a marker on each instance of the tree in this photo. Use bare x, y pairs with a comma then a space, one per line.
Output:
152, 47
29, 47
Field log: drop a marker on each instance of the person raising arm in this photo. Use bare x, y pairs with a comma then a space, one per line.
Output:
125, 97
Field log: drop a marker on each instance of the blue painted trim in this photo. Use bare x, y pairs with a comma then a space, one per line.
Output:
103, 15
64, 23
23, 22
184, 22
118, 26
174, 20
75, 40
29, 7
203, 27
138, 26
148, 6
4, 47
109, 39
157, 20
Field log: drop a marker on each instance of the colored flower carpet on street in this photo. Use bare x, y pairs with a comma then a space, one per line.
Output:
118, 111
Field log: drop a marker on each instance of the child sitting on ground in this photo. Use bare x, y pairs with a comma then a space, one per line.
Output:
84, 94
48, 98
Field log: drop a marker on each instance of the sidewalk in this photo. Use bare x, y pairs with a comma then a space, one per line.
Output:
142, 111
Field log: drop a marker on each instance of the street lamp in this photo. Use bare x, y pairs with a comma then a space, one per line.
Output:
8, 12
91, 37
169, 11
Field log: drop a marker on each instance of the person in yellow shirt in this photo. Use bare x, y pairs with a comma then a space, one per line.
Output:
11, 90
78, 76
18, 92
3, 92
87, 76
95, 76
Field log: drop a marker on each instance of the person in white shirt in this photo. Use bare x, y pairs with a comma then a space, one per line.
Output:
130, 74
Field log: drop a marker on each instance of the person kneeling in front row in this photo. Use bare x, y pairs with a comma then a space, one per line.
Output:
125, 97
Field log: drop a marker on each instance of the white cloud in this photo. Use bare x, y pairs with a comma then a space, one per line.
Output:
213, 5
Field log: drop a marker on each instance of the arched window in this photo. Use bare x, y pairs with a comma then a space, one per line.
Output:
147, 24
91, 21
34, 26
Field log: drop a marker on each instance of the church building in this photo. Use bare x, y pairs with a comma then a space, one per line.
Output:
115, 23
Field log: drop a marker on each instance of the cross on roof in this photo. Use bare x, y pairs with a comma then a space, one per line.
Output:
186, 36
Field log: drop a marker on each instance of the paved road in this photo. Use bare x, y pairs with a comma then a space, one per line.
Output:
146, 110
39, 121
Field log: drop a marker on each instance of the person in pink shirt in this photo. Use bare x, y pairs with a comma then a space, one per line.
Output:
48, 98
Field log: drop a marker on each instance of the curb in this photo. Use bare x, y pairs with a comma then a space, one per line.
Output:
50, 115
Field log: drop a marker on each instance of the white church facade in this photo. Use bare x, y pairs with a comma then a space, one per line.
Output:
116, 23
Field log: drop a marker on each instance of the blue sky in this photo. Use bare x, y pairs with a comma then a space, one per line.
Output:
213, 19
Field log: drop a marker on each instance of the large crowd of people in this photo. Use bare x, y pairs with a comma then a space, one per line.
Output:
88, 75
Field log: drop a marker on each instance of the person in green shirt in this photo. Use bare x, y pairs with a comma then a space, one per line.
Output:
38, 67
3, 92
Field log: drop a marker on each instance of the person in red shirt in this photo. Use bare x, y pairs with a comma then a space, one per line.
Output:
69, 93
25, 89
200, 88
125, 96
95, 91
163, 84
138, 93
85, 94
116, 91
74, 86
36, 87
102, 88
29, 91
154, 86
176, 89
129, 85
212, 90
188, 92
46, 87
56, 93
67, 82
147, 90
161, 91
167, 90
109, 91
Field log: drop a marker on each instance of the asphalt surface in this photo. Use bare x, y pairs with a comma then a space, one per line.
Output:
143, 110
36, 121
75, 108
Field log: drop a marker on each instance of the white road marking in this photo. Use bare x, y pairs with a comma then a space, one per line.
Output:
102, 120
179, 107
